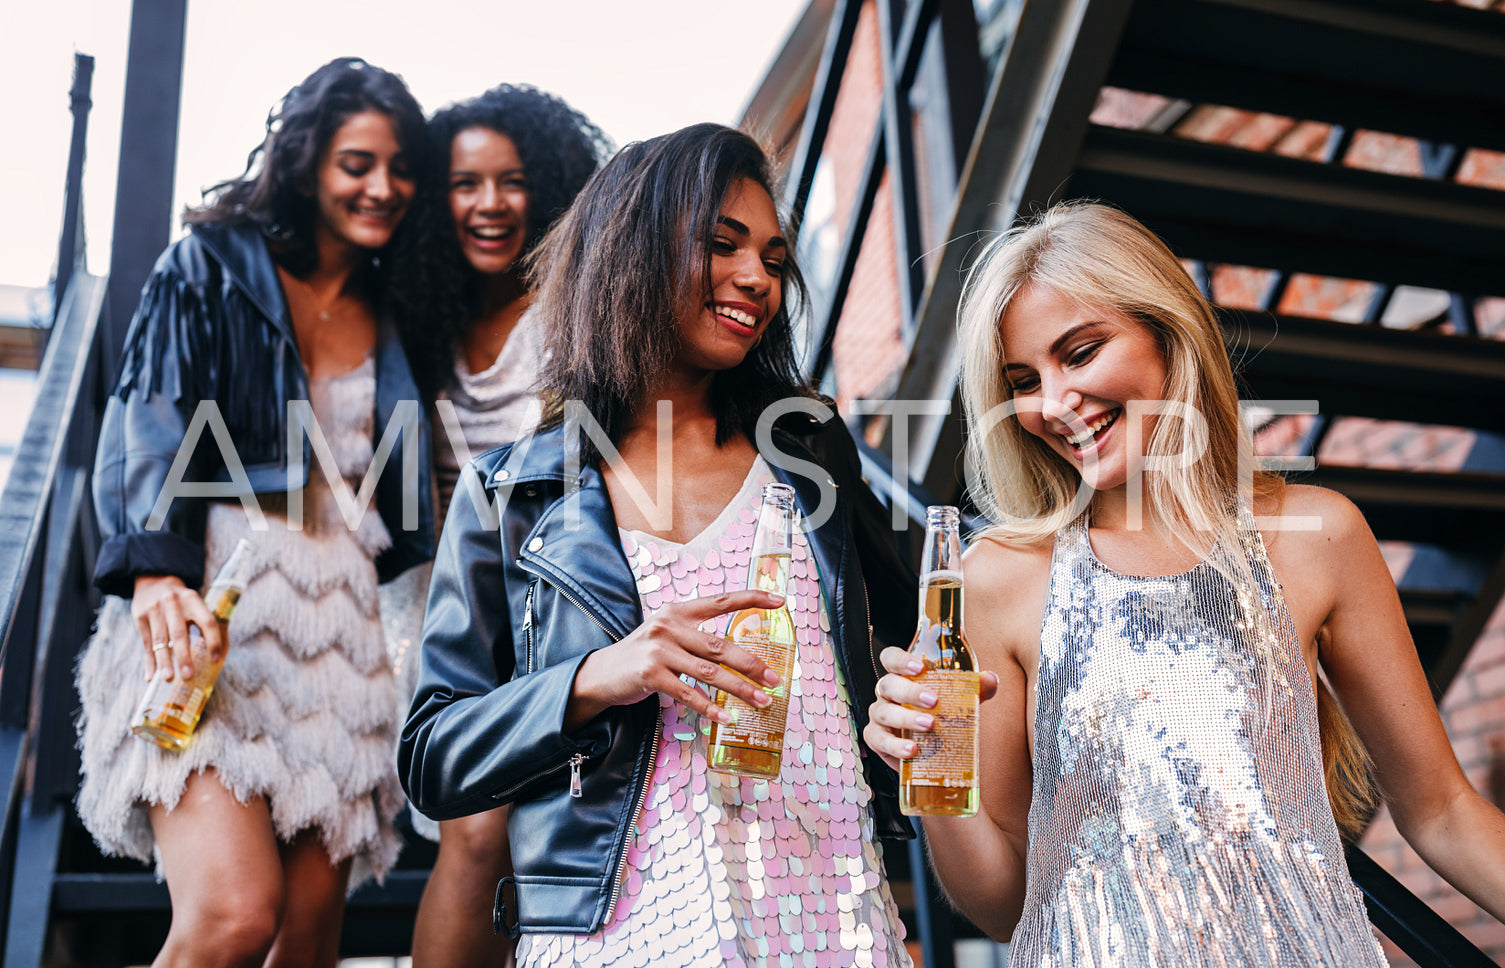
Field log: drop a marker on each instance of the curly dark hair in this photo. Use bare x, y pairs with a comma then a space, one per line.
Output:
619, 269
274, 192
435, 292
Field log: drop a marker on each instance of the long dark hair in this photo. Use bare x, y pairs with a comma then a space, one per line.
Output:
275, 192
434, 290
617, 272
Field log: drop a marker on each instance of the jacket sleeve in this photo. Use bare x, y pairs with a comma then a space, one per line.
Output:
144, 427
477, 736
892, 585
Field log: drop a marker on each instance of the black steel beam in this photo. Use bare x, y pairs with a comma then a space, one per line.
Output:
1026, 143
1228, 205
96, 892
1460, 512
70, 250
1418, 930
1401, 66
1363, 370
817, 122
148, 157
903, 43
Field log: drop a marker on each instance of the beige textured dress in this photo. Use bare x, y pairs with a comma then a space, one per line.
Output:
304, 711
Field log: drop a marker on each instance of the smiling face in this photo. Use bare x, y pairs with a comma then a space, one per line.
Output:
488, 198
1073, 369
364, 183
746, 284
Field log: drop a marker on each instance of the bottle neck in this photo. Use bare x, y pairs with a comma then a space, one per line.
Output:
769, 571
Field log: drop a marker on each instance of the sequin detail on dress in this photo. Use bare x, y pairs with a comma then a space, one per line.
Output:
1179, 815
729, 871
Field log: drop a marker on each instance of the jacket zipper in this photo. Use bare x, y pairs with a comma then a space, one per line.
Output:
571, 762
637, 809
575, 761
528, 625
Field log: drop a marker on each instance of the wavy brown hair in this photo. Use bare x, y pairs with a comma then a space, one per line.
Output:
276, 191
618, 271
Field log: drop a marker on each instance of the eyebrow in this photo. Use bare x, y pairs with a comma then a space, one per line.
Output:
1065, 337
776, 242
1060, 341
519, 170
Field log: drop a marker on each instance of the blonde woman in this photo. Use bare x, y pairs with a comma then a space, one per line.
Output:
1165, 774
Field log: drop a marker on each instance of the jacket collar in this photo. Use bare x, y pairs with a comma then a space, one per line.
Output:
247, 262
576, 542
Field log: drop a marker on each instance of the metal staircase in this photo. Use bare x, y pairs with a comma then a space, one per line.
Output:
993, 118
1422, 69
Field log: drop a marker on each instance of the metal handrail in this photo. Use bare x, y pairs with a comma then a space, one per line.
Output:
46, 538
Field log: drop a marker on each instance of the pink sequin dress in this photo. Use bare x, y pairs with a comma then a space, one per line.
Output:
729, 871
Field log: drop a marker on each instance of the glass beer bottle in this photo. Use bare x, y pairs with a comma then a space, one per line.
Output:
170, 708
753, 744
941, 778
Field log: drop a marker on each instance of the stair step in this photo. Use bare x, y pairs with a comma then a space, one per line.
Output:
1352, 369
1230, 205
1400, 66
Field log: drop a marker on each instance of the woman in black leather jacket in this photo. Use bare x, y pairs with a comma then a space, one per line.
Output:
266, 310
571, 654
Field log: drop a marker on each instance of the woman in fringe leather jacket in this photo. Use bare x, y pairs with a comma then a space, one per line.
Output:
553, 680
285, 796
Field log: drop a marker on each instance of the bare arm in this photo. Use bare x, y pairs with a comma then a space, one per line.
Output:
1366, 650
980, 860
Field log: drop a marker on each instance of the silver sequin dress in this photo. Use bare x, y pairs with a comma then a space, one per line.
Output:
738, 872
304, 712
1179, 815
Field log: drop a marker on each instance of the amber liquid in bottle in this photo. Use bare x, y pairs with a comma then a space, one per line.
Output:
171, 708
942, 777
753, 745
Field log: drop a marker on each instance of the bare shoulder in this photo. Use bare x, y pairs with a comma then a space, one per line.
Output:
1326, 554
1007, 582
1325, 523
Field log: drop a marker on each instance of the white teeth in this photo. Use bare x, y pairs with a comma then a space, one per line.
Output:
737, 315
1078, 439
491, 231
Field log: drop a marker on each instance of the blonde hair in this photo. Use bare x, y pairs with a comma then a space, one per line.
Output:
1104, 258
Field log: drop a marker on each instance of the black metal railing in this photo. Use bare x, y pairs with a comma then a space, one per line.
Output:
47, 545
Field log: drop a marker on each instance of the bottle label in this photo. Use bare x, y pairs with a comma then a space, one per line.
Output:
946, 755
753, 727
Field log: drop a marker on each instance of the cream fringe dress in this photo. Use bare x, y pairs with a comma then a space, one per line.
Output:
304, 711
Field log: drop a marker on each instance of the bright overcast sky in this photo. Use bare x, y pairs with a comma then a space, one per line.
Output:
636, 68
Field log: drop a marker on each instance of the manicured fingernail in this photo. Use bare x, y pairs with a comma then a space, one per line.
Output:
770, 677
763, 699
187, 671
778, 599
924, 721
927, 698
909, 748
915, 667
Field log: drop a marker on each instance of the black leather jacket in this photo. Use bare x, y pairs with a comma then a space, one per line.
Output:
512, 614
213, 326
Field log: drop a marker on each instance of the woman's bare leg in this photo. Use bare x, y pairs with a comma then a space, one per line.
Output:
224, 876
315, 891
453, 929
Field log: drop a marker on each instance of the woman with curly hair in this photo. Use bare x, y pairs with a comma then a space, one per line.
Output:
505, 165
269, 307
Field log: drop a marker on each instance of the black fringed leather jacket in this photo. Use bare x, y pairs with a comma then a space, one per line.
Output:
512, 614
213, 326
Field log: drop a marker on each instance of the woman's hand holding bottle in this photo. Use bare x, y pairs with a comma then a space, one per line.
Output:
901, 705
670, 645
163, 608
